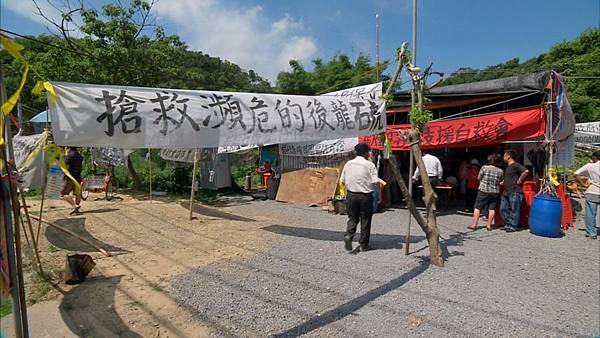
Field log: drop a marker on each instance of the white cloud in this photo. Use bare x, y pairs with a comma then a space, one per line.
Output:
241, 35
27, 9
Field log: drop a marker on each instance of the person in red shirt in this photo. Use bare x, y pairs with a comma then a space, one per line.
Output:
472, 185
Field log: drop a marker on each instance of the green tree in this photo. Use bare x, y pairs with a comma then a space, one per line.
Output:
121, 45
339, 73
578, 61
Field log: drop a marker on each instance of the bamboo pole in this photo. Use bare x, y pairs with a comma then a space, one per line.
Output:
19, 287
150, 172
12, 265
39, 227
69, 232
193, 184
33, 240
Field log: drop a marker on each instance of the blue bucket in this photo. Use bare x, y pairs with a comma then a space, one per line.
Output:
545, 216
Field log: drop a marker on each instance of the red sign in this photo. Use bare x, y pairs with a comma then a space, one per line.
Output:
470, 131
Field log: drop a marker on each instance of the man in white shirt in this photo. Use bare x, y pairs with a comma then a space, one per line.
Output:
592, 195
433, 167
360, 178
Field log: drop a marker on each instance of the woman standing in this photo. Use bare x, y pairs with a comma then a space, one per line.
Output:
490, 177
472, 184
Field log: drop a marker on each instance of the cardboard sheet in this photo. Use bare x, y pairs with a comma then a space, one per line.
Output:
308, 186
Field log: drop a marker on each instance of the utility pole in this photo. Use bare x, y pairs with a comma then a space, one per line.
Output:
377, 45
411, 164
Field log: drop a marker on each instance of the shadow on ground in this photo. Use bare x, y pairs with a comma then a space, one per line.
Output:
63, 241
377, 241
210, 212
89, 312
355, 304
231, 201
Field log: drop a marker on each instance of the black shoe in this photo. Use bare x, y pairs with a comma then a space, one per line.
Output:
363, 248
510, 229
592, 237
348, 243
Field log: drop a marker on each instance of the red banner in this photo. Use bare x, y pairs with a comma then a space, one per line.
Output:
470, 131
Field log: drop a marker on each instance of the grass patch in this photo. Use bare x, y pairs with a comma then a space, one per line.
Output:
5, 306
207, 195
52, 248
40, 286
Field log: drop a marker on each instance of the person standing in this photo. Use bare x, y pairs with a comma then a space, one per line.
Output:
434, 169
462, 178
591, 171
360, 178
472, 184
512, 197
489, 176
74, 162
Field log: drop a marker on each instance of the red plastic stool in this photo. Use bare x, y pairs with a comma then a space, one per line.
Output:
567, 215
266, 177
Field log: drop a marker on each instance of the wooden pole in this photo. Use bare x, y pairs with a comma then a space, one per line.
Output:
11, 256
37, 237
150, 172
193, 184
26, 235
69, 232
19, 286
33, 240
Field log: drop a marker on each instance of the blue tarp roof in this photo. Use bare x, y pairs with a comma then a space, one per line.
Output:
41, 117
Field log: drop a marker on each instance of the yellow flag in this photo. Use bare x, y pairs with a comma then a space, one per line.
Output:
13, 48
54, 153
44, 85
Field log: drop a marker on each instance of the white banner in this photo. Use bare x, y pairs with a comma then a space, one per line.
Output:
370, 91
323, 148
135, 117
337, 146
187, 155
588, 133
32, 168
108, 156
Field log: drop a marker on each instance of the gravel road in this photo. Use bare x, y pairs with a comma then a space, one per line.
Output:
305, 284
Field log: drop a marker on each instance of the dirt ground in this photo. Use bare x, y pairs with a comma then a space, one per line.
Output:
126, 295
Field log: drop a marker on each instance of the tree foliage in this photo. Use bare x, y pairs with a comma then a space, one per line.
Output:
121, 46
339, 73
578, 61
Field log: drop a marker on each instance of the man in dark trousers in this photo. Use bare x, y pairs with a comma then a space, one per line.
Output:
74, 162
360, 178
512, 197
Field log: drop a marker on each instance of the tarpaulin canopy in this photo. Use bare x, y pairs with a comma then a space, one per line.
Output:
515, 84
481, 93
472, 131
491, 96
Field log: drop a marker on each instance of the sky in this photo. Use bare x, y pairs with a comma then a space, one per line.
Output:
265, 35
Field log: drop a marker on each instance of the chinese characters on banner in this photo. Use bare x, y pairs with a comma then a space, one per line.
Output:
328, 147
472, 131
370, 91
187, 155
337, 146
134, 117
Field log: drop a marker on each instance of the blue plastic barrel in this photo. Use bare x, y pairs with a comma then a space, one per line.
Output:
545, 216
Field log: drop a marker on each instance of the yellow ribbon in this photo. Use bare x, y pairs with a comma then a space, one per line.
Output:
40, 86
55, 153
13, 48
388, 144
553, 176
37, 149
